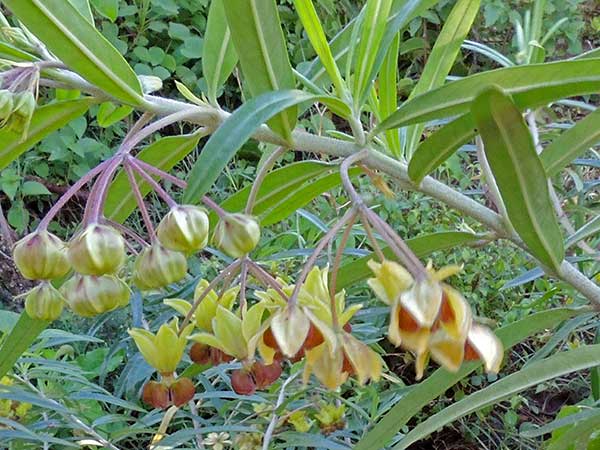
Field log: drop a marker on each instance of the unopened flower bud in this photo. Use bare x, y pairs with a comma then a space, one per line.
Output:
264, 375
24, 107
6, 104
156, 395
182, 391
44, 302
97, 250
41, 256
242, 382
157, 267
150, 83
237, 234
184, 229
89, 295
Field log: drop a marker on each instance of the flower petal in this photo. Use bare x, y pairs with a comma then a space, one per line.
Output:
290, 327
487, 345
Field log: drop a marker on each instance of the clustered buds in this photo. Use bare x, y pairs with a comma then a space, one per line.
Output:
41, 256
16, 110
44, 302
246, 381
97, 250
430, 318
90, 295
237, 234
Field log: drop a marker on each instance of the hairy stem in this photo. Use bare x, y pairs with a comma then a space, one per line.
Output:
139, 198
153, 183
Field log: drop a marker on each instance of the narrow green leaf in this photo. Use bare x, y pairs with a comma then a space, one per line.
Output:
164, 154
422, 246
46, 120
577, 436
443, 55
373, 28
441, 380
76, 42
595, 372
18, 340
218, 53
571, 144
312, 25
109, 114
440, 146
11, 53
586, 231
519, 175
276, 187
530, 86
232, 134
260, 44
388, 93
561, 364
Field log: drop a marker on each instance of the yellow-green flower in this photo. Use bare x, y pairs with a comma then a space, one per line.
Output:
207, 309
162, 350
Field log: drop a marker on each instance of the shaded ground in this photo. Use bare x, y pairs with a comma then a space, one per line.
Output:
11, 282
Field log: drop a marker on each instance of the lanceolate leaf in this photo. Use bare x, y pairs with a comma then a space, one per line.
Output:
219, 57
312, 25
402, 12
441, 380
422, 246
76, 42
259, 42
232, 134
46, 120
164, 154
373, 28
18, 340
553, 367
571, 144
83, 6
388, 93
438, 147
519, 175
442, 57
532, 85
11, 53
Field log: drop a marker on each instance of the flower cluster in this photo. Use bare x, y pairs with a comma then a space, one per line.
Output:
430, 318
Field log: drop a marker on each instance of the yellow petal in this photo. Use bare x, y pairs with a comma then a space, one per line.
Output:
205, 313
365, 362
325, 329
421, 360
316, 283
346, 315
290, 327
446, 272
144, 340
266, 353
208, 339
391, 279
327, 367
183, 307
423, 302
228, 298
394, 335
447, 351
487, 345
228, 330
458, 311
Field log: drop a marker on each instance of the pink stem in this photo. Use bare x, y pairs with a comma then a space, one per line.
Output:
160, 173
214, 206
140, 201
152, 182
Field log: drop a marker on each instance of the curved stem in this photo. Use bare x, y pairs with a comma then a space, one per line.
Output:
149, 168
266, 278
335, 269
103, 182
260, 177
214, 206
139, 198
126, 231
371, 236
310, 262
62, 201
152, 182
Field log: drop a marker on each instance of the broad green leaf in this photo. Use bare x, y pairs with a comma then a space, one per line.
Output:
519, 174
530, 86
276, 187
312, 25
571, 144
76, 42
388, 93
356, 271
442, 58
46, 120
401, 14
578, 436
373, 28
556, 366
18, 340
441, 380
218, 53
260, 44
439, 146
164, 154
109, 114
232, 134
83, 6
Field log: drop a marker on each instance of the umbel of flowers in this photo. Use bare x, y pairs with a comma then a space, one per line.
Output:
431, 319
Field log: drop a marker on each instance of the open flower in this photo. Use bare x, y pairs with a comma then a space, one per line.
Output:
162, 350
482, 344
430, 318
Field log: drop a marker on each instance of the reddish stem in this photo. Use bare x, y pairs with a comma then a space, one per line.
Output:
152, 182
139, 198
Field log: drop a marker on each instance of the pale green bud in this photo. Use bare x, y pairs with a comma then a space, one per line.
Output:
237, 234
